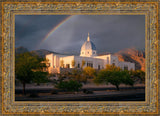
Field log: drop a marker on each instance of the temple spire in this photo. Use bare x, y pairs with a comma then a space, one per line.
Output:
88, 39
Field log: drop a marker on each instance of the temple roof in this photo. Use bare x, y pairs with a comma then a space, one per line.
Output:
88, 45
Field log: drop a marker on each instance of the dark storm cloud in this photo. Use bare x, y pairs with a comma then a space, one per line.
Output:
108, 32
31, 29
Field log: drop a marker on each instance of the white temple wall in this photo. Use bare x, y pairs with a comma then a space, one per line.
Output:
98, 62
50, 59
56, 61
88, 53
95, 62
131, 66
67, 60
114, 60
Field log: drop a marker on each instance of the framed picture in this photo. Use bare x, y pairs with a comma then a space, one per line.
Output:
80, 57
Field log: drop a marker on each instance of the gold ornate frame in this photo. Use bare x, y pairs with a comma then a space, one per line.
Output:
10, 9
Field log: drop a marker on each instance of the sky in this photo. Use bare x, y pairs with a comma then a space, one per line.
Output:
66, 34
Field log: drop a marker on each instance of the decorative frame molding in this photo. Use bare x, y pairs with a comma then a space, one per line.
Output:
10, 9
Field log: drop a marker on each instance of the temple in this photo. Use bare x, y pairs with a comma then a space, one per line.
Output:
88, 57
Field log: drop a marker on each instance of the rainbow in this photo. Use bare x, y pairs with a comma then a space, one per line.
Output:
55, 28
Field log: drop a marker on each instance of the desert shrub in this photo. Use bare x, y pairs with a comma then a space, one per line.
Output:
70, 85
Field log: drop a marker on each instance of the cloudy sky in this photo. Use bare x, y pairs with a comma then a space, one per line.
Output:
66, 34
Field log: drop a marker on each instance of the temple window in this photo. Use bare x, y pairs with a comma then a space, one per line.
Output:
78, 65
89, 64
107, 60
67, 65
125, 67
99, 67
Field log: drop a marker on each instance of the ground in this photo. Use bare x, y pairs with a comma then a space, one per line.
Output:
97, 93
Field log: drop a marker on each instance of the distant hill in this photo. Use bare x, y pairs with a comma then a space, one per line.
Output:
20, 50
133, 55
41, 52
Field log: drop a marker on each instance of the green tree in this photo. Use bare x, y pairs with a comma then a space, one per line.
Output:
139, 74
27, 67
114, 77
101, 77
127, 78
40, 77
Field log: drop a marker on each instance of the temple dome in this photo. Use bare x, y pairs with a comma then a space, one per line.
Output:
88, 49
88, 45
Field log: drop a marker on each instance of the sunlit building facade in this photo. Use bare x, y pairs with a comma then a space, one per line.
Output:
88, 57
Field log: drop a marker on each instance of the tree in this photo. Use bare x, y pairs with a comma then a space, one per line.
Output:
83, 63
101, 77
89, 72
73, 63
114, 77
113, 68
77, 75
127, 78
139, 74
28, 68
40, 77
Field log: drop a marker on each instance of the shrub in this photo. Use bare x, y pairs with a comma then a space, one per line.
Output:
77, 75
70, 85
112, 68
89, 72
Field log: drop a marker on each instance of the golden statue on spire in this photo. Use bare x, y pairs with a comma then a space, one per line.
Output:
88, 39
